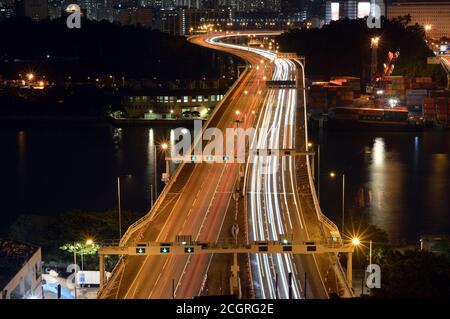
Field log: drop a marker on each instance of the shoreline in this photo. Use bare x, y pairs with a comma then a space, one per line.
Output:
55, 119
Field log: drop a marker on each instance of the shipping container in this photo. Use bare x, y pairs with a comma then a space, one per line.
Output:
424, 80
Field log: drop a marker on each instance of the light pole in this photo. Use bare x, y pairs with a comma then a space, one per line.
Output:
89, 242
165, 148
374, 41
75, 264
318, 167
155, 172
333, 174
119, 205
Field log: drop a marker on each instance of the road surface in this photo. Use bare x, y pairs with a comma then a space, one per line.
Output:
200, 200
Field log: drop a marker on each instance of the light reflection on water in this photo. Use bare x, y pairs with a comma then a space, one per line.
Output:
50, 170
397, 181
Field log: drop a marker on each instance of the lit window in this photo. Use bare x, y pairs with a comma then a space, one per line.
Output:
185, 99
335, 11
213, 98
363, 9
200, 98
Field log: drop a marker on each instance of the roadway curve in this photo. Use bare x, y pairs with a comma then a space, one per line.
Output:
199, 200
194, 203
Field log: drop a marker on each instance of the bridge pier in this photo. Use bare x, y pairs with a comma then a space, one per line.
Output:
102, 271
234, 279
350, 270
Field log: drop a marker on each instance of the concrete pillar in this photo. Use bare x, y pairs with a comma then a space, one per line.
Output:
102, 271
234, 279
349, 270
374, 62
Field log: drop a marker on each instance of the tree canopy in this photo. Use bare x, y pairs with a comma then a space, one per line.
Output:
343, 48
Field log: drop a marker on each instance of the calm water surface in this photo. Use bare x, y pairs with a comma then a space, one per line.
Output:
398, 181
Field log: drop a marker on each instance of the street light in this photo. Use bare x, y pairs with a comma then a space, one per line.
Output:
428, 27
164, 146
119, 204
89, 242
310, 144
332, 175
374, 41
356, 241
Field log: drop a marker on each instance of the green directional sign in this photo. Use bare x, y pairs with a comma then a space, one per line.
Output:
209, 158
164, 250
193, 158
226, 158
189, 250
140, 251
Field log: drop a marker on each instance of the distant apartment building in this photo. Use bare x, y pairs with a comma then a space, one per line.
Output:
434, 14
6, 9
20, 270
135, 16
158, 104
55, 9
190, 4
35, 9
170, 21
352, 9
192, 19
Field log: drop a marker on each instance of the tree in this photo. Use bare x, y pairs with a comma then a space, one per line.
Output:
414, 274
343, 48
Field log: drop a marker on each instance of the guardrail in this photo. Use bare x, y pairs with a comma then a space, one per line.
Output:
225, 244
339, 272
136, 226
161, 197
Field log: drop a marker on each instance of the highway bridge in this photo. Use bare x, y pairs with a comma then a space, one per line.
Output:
445, 61
263, 199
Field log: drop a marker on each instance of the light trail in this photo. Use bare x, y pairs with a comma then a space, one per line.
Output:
265, 196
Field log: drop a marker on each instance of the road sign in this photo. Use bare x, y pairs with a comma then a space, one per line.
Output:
140, 251
164, 250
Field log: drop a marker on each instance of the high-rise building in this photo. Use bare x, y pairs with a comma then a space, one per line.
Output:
35, 9
353, 9
170, 21
435, 15
7, 9
188, 4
